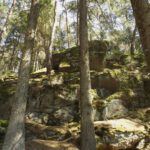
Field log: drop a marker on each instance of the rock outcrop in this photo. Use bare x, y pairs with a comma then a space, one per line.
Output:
97, 51
121, 134
114, 109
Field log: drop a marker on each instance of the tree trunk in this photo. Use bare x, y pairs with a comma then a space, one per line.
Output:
15, 136
87, 127
51, 41
77, 27
141, 10
33, 56
132, 48
47, 59
35, 65
7, 19
4, 2
67, 27
53, 31
13, 55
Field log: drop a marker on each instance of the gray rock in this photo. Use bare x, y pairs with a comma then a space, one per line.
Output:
141, 144
121, 133
114, 109
64, 114
37, 117
96, 115
2, 130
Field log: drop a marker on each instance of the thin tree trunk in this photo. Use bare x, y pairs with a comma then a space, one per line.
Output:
51, 41
141, 10
33, 55
53, 31
4, 2
60, 21
67, 27
35, 65
87, 128
77, 27
15, 136
132, 47
9, 14
12, 56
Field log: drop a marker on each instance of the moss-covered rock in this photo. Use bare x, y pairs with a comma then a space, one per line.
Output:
120, 133
71, 57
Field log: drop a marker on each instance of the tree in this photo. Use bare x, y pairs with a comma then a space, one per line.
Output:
142, 16
15, 138
10, 11
51, 40
132, 46
67, 26
87, 127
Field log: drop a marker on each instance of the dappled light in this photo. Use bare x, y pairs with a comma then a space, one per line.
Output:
74, 75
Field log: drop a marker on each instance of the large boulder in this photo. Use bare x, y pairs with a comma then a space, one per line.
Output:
105, 84
97, 51
114, 109
120, 134
38, 117
41, 99
64, 114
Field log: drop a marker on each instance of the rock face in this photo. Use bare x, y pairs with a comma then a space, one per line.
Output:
64, 114
105, 84
41, 98
114, 109
121, 133
53, 109
97, 51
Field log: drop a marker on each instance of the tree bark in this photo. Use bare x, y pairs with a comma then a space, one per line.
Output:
67, 27
77, 26
132, 48
49, 49
141, 10
12, 64
87, 127
15, 137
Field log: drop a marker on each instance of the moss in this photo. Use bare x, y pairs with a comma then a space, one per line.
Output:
94, 94
71, 56
39, 71
126, 94
117, 95
6, 91
60, 51
64, 64
36, 80
71, 78
7, 74
128, 79
4, 123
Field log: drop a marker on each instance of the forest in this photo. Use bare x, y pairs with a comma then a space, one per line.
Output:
74, 75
